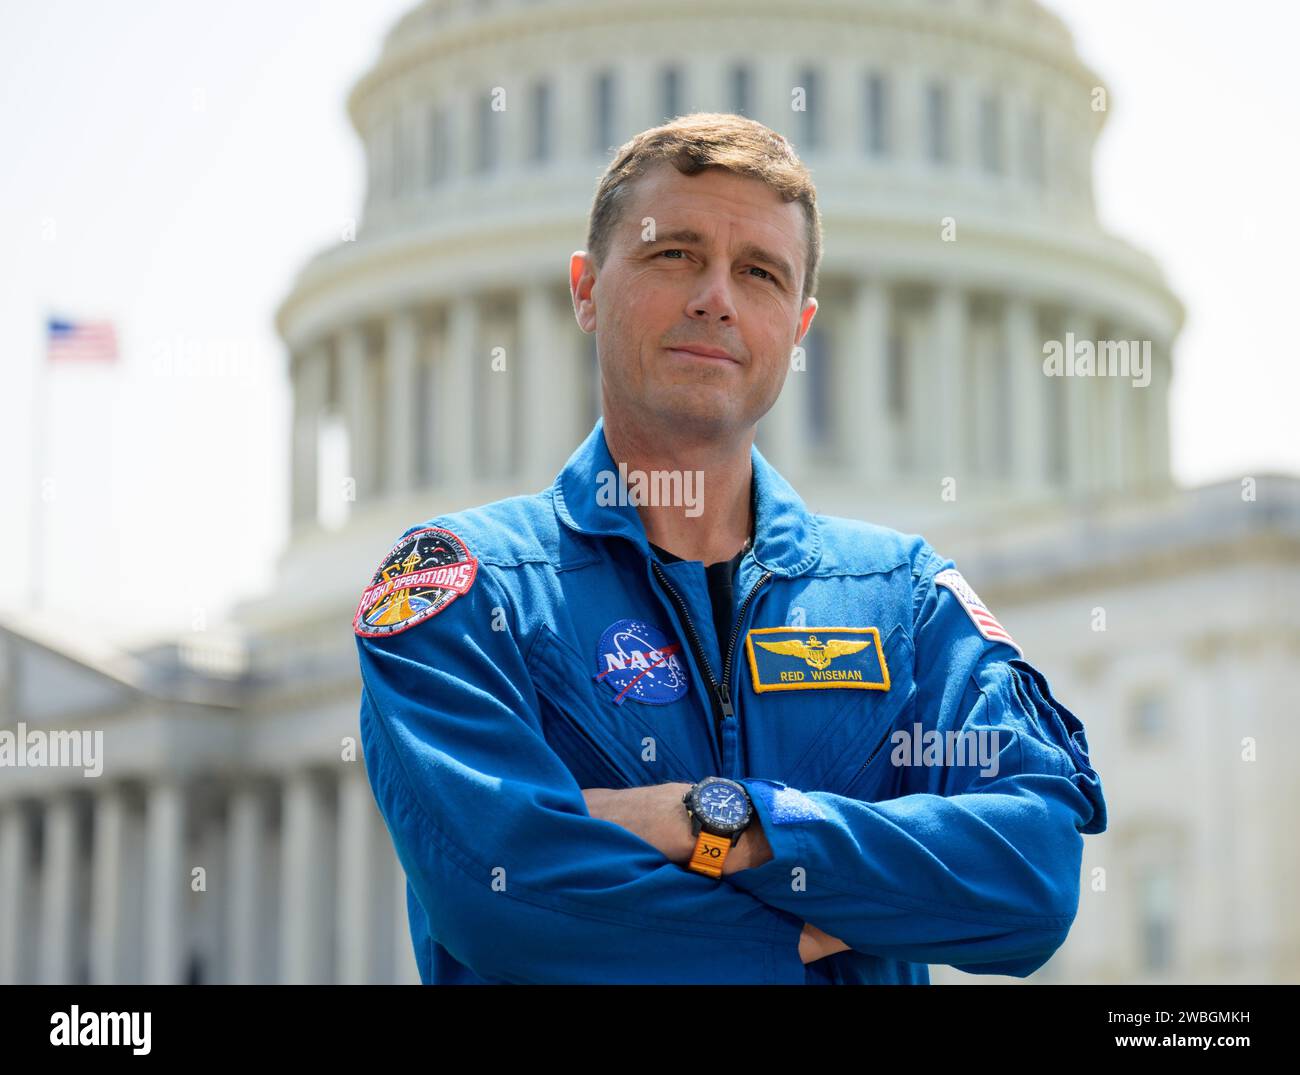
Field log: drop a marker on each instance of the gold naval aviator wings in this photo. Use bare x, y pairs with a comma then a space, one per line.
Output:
816, 658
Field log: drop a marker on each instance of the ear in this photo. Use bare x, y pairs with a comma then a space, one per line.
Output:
805, 318
582, 279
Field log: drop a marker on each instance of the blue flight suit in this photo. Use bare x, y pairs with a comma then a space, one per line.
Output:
516, 653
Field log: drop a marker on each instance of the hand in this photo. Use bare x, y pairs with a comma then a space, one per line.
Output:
658, 815
655, 813
752, 849
815, 944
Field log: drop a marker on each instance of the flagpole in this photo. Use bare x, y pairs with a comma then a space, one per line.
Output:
41, 396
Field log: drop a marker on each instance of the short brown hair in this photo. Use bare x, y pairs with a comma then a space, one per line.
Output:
708, 140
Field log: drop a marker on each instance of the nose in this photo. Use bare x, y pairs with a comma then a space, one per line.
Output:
713, 300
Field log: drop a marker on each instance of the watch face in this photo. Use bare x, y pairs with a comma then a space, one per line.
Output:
723, 806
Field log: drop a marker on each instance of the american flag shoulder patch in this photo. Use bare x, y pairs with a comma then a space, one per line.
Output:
985, 622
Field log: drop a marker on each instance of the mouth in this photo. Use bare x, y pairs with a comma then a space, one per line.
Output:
700, 351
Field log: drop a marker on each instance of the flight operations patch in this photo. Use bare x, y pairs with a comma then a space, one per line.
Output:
421, 575
813, 658
985, 622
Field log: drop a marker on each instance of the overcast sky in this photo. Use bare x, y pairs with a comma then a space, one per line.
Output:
170, 166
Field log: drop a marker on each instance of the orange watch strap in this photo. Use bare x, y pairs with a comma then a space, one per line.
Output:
709, 854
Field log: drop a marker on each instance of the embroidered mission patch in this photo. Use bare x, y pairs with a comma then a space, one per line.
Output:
421, 575
812, 658
983, 619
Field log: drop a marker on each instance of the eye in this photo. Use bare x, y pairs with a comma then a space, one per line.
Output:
768, 275
672, 250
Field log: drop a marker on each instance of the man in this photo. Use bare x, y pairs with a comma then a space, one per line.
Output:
618, 739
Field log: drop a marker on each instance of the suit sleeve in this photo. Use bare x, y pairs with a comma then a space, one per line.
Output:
975, 865
519, 882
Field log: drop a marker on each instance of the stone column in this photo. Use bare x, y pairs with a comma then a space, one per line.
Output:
15, 913
305, 941
495, 399
949, 381
572, 116
108, 861
570, 381
460, 104
248, 901
354, 377
428, 400
841, 104
58, 881
1011, 149
1102, 445
708, 89
357, 878
402, 341
458, 405
773, 81
963, 132
909, 129
1079, 411
417, 133
548, 387
301, 453
1157, 402
166, 883
1119, 401
913, 430
1024, 352
984, 404
310, 371
866, 360
638, 93
395, 136
1261, 883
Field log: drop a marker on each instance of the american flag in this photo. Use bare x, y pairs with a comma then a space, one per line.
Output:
985, 622
92, 340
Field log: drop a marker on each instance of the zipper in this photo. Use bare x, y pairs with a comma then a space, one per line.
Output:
873, 753
735, 632
723, 708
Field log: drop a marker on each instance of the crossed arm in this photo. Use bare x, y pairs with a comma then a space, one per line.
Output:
657, 815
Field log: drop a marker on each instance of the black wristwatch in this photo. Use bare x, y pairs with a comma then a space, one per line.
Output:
720, 810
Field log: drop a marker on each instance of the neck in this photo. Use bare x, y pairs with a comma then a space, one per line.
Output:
698, 491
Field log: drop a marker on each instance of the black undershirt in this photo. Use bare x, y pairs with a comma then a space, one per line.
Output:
722, 587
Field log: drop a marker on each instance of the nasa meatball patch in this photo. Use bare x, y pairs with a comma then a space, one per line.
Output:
984, 620
637, 660
421, 575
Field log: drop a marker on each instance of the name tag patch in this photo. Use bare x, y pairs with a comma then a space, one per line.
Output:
816, 658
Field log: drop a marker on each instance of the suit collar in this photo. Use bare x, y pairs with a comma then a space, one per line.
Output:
786, 537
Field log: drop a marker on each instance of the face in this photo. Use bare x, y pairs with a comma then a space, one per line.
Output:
719, 265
